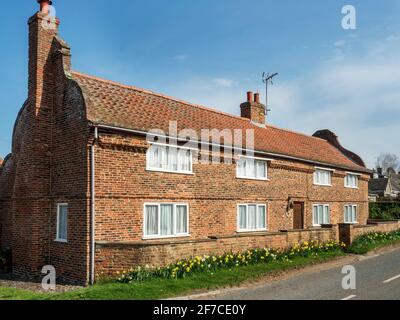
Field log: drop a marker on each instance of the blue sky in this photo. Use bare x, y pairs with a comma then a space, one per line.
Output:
212, 52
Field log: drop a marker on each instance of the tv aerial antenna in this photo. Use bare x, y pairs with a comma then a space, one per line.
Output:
267, 80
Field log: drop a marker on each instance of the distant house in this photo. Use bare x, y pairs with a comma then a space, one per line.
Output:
384, 186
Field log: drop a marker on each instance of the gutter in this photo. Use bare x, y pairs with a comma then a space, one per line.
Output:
269, 154
93, 206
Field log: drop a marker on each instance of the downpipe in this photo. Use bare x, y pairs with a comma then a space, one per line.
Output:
93, 207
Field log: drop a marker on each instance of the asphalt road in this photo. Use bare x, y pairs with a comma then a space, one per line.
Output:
377, 278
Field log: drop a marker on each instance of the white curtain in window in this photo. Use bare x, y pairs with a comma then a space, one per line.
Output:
252, 217
250, 168
326, 219
172, 159
166, 220
320, 214
181, 220
355, 214
151, 227
184, 160
242, 167
62, 222
261, 170
315, 215
347, 214
262, 217
152, 156
242, 218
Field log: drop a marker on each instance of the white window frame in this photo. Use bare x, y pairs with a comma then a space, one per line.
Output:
174, 233
266, 161
354, 207
239, 230
58, 239
356, 175
324, 205
330, 171
190, 172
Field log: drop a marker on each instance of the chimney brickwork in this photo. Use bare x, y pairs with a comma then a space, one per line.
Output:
253, 109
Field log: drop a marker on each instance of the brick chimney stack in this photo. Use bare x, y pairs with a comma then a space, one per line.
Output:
42, 32
253, 109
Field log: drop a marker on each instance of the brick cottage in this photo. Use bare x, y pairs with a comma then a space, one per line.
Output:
86, 191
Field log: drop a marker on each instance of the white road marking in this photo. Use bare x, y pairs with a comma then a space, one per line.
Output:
392, 279
349, 297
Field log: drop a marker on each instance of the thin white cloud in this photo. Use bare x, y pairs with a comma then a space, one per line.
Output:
393, 38
340, 43
223, 82
180, 57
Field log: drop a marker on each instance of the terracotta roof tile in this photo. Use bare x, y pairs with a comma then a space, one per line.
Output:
123, 106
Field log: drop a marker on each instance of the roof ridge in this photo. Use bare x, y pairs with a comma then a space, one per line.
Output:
130, 87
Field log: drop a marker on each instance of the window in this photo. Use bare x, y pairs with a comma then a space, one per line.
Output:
169, 159
351, 181
252, 217
323, 177
62, 222
249, 168
163, 220
350, 214
321, 214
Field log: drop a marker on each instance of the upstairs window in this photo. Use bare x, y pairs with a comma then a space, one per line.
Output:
350, 214
169, 159
351, 181
62, 222
249, 168
323, 177
252, 217
321, 214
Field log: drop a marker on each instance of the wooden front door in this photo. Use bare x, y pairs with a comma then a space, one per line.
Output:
298, 216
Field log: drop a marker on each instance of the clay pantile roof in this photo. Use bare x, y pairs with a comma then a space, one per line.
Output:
114, 104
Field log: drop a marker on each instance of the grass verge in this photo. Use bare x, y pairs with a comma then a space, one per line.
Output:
165, 288
369, 242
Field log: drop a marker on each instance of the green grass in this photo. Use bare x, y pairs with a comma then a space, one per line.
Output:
374, 241
164, 288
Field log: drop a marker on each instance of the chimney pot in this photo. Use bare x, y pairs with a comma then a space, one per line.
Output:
250, 96
257, 98
44, 3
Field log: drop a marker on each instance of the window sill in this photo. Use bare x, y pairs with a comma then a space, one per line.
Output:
354, 188
253, 179
166, 237
252, 231
61, 241
173, 172
322, 185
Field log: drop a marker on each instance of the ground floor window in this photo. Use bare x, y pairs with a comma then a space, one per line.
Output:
321, 214
350, 214
163, 220
62, 222
252, 217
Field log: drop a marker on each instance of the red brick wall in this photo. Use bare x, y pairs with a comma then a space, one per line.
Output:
123, 186
112, 258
